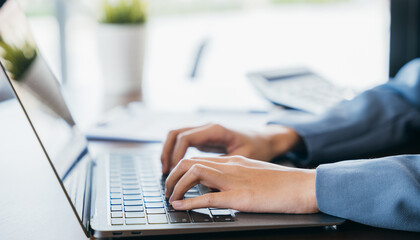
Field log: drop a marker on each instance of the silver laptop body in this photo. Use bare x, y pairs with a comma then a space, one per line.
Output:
117, 192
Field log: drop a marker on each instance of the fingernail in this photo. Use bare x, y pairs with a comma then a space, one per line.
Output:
170, 200
177, 204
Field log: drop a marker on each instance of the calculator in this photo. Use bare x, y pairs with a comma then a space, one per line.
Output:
299, 88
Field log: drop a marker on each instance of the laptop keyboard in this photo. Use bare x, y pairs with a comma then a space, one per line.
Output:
137, 195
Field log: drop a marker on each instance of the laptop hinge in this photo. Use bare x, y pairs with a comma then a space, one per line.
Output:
89, 194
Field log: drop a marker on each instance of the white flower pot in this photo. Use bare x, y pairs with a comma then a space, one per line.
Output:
121, 50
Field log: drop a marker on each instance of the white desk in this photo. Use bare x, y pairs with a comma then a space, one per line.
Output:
32, 203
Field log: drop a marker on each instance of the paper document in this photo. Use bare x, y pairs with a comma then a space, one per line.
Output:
142, 125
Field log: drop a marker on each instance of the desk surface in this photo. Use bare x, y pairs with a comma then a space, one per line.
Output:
347, 231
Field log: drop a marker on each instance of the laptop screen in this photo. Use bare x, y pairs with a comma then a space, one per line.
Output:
40, 96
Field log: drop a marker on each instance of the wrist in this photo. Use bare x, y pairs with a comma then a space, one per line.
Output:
281, 139
308, 191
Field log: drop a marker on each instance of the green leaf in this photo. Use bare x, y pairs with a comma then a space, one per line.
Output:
15, 59
123, 11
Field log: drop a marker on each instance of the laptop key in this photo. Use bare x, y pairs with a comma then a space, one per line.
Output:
133, 203
132, 197
116, 208
200, 215
154, 205
157, 219
179, 217
147, 179
131, 187
131, 192
133, 208
222, 215
152, 199
151, 189
193, 191
128, 167
129, 174
191, 195
135, 221
116, 215
114, 178
155, 210
117, 221
223, 218
149, 184
116, 202
114, 181
170, 208
134, 215
220, 212
130, 183
152, 194
115, 185
115, 196
115, 190
129, 179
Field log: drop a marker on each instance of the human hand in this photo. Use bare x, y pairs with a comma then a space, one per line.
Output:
262, 146
244, 184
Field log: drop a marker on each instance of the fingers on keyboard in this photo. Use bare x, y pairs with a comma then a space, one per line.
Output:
137, 197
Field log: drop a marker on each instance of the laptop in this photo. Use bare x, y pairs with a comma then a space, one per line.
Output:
117, 193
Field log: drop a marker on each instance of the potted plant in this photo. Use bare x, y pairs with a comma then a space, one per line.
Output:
121, 45
17, 60
30, 73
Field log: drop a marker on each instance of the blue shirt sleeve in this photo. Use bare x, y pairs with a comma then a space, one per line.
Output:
378, 119
381, 192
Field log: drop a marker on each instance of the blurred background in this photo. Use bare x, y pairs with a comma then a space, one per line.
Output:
345, 41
